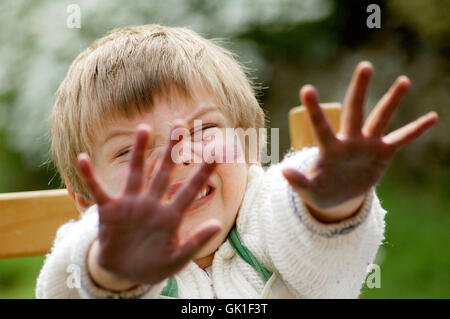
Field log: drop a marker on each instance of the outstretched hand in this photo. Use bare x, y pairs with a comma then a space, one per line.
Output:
353, 160
137, 231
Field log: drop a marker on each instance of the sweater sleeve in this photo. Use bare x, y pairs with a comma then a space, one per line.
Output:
65, 274
315, 259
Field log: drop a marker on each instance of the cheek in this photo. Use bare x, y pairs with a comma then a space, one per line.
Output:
116, 180
234, 180
114, 177
224, 150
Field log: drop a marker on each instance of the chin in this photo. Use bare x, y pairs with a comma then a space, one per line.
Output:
210, 248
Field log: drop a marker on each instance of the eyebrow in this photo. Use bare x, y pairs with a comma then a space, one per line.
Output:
203, 111
155, 135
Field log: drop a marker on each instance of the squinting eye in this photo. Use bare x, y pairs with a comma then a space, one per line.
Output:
125, 152
204, 128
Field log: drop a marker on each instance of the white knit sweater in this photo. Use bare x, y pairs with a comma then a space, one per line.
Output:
310, 259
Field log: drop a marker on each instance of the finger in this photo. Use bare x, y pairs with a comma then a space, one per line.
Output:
161, 179
196, 242
411, 131
296, 179
135, 177
378, 120
189, 190
87, 173
321, 128
353, 112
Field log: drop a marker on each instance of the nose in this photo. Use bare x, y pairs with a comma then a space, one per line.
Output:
190, 153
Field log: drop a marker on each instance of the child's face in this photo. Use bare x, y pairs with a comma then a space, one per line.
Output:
228, 181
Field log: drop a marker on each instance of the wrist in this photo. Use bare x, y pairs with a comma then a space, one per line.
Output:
338, 212
103, 277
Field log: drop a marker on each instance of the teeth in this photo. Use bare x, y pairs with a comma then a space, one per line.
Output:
203, 192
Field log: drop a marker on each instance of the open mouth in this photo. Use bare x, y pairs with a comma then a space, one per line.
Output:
205, 191
205, 194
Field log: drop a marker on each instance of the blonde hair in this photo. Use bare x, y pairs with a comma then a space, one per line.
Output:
120, 74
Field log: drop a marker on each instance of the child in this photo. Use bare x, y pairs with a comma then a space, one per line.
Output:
159, 223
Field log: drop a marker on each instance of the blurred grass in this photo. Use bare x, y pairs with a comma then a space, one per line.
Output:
18, 277
414, 260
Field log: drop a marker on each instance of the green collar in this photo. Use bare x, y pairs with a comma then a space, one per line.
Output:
171, 289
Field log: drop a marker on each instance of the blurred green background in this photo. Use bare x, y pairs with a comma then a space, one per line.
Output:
285, 44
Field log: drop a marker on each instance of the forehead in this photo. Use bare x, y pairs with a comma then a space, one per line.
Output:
169, 107
166, 108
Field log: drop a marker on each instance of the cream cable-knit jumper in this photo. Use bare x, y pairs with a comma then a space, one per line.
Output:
310, 259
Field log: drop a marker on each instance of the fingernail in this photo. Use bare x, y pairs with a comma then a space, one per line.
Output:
366, 65
178, 123
404, 79
433, 114
143, 128
306, 87
82, 156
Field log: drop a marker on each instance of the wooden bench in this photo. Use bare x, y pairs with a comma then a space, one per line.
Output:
29, 220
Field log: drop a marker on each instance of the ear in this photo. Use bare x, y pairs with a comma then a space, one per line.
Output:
81, 203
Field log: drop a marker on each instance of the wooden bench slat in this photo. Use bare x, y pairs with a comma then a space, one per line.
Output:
300, 130
29, 220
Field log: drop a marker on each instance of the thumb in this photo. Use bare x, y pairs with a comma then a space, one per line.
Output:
297, 180
196, 242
